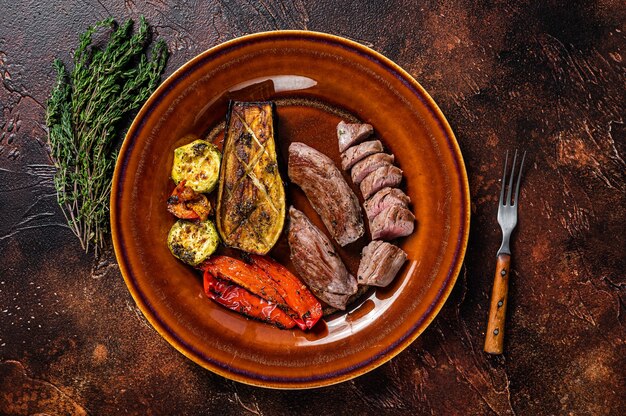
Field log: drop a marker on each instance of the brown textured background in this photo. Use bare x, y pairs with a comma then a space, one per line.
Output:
549, 78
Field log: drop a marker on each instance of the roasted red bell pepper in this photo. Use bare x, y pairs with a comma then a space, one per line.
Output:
187, 204
297, 296
240, 300
266, 279
245, 275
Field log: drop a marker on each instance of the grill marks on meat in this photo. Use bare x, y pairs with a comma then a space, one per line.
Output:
385, 198
380, 262
384, 176
368, 165
393, 222
317, 262
351, 134
328, 192
359, 152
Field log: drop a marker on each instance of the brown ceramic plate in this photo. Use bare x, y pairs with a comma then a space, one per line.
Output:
315, 79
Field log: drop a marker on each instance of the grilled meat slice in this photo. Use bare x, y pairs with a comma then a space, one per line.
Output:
358, 152
351, 134
393, 222
385, 198
317, 263
251, 196
328, 192
384, 176
380, 262
368, 165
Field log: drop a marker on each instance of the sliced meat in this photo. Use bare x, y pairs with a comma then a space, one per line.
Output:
317, 263
328, 192
393, 222
380, 262
384, 176
385, 198
358, 152
368, 165
351, 134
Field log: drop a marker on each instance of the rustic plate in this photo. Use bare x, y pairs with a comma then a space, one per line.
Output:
316, 79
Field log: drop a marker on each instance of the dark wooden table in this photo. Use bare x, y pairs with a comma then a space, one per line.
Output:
548, 78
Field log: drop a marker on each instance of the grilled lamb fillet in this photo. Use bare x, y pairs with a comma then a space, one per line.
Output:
393, 222
328, 192
368, 165
384, 176
359, 152
317, 263
351, 134
380, 262
385, 198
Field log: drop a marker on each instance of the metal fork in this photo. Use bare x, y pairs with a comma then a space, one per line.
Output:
507, 218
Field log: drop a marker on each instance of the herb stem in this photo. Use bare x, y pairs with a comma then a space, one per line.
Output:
85, 111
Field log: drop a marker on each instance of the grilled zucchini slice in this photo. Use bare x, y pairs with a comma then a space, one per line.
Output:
193, 242
251, 197
199, 164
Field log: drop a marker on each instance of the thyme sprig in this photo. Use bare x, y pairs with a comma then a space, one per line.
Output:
85, 113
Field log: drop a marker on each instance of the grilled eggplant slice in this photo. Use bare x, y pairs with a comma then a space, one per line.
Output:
198, 163
251, 197
192, 242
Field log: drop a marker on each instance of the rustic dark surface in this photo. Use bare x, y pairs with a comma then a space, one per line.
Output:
548, 78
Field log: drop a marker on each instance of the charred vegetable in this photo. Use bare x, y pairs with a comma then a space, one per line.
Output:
240, 300
267, 280
251, 197
244, 275
192, 242
296, 294
198, 163
187, 204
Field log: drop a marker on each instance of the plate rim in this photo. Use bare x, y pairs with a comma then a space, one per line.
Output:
373, 362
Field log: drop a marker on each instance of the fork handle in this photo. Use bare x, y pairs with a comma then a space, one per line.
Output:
494, 338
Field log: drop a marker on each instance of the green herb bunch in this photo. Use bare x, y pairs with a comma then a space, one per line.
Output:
85, 112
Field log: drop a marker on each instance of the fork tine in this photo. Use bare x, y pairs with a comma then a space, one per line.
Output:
506, 161
508, 194
519, 177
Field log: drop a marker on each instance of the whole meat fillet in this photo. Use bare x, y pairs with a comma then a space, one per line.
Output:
317, 263
380, 262
328, 192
